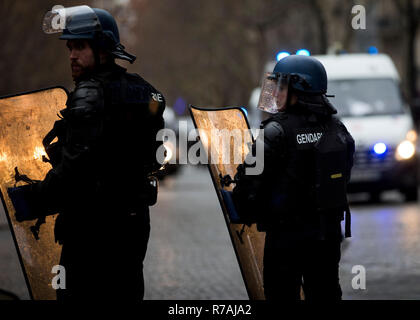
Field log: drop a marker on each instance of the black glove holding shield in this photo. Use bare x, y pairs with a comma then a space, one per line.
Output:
240, 202
27, 199
23, 200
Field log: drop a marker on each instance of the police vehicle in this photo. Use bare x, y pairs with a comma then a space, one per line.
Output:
370, 104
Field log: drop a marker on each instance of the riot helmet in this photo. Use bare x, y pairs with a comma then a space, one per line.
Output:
83, 22
301, 74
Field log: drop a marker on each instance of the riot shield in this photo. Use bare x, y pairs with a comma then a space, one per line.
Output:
247, 241
24, 120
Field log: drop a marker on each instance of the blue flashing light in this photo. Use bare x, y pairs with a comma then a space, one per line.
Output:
380, 148
245, 111
303, 52
282, 54
373, 50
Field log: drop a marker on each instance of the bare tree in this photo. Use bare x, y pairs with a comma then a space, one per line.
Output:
30, 59
214, 52
409, 10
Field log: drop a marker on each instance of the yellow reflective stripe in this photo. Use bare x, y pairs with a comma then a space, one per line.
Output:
337, 175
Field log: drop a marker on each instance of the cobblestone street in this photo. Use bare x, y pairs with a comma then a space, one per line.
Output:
190, 255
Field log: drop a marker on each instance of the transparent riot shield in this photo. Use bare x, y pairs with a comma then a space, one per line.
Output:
247, 241
24, 121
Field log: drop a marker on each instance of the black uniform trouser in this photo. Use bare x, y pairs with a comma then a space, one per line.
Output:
104, 260
312, 263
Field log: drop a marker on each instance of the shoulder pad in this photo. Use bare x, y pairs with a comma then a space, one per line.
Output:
153, 93
344, 133
86, 98
338, 123
139, 91
92, 82
87, 90
131, 88
273, 130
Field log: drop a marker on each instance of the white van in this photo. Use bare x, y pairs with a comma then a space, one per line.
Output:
369, 102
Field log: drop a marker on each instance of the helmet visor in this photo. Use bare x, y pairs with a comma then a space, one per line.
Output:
273, 97
77, 20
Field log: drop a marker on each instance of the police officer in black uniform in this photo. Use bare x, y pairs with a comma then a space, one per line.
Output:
100, 182
299, 199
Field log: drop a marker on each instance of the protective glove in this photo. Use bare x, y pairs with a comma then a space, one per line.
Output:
25, 203
235, 216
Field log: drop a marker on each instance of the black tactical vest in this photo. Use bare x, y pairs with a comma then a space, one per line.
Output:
296, 174
133, 116
294, 194
126, 113
133, 111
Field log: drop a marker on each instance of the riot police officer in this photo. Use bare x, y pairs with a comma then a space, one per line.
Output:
100, 181
300, 198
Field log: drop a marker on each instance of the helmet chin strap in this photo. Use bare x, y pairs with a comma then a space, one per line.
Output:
120, 53
116, 50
